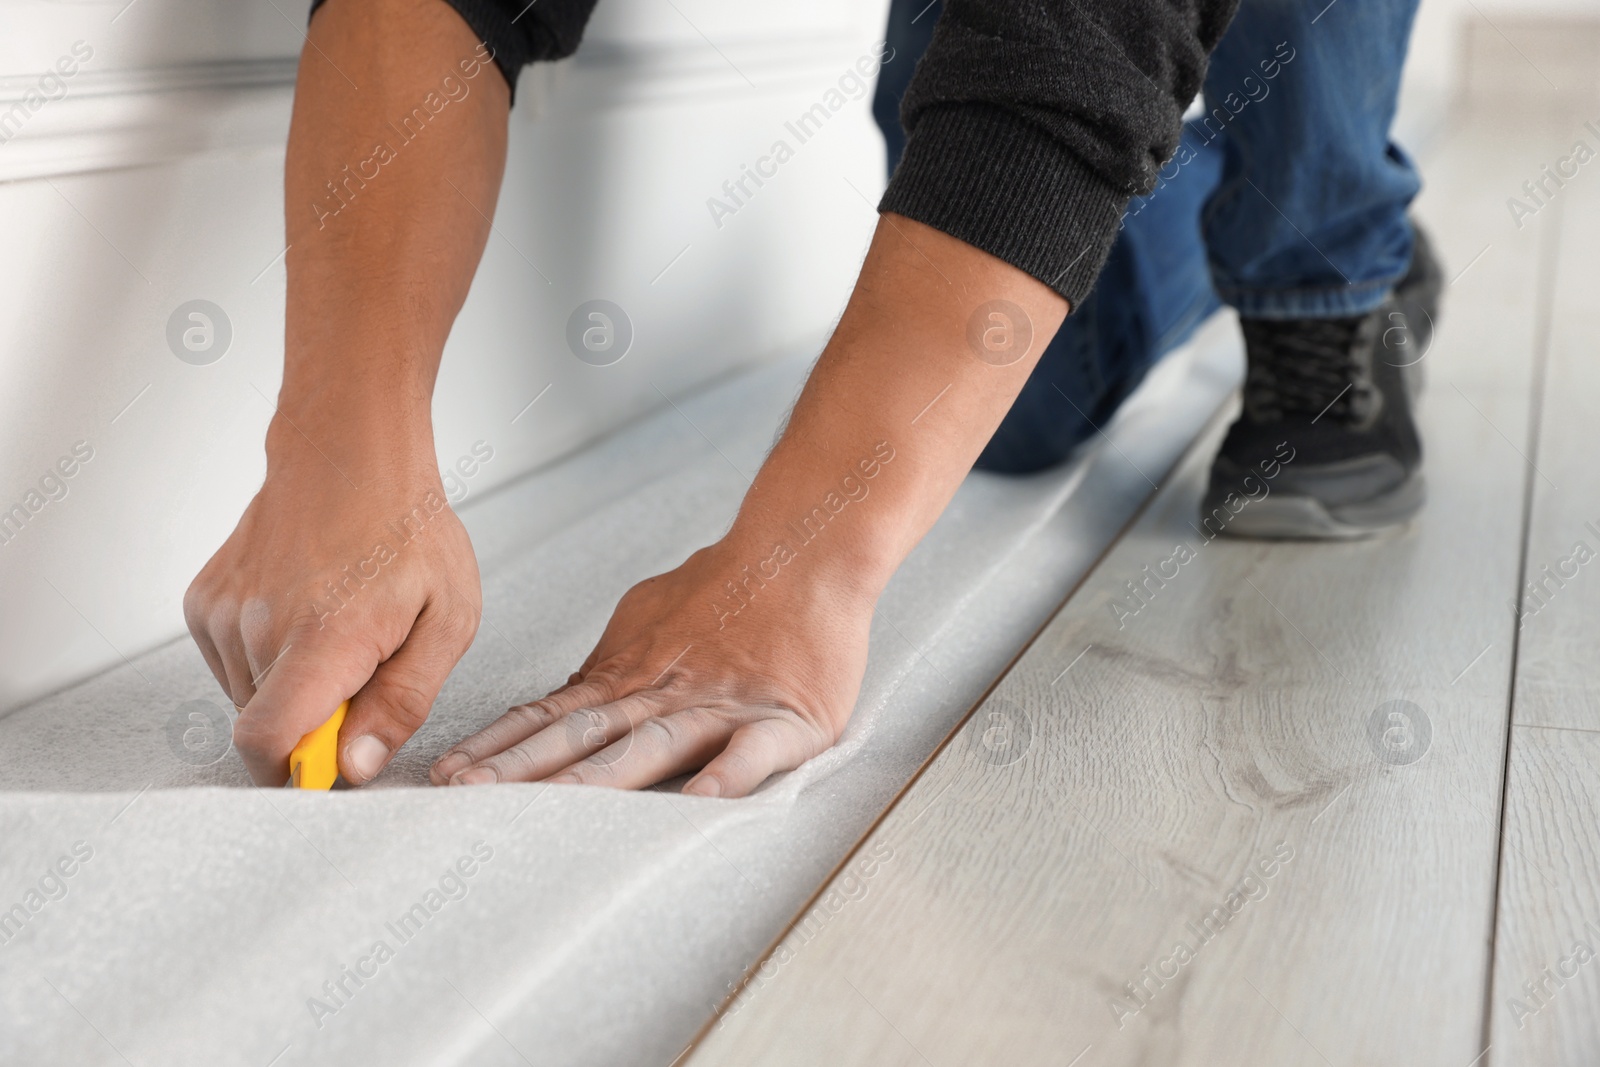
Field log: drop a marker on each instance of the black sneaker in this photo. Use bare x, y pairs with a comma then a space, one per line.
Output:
1326, 447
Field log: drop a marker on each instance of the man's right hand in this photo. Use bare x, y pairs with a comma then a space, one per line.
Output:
349, 576
353, 582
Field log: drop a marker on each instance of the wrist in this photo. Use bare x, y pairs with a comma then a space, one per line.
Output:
779, 569
840, 526
368, 399
364, 442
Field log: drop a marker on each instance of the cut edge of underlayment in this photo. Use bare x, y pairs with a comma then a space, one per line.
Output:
1212, 360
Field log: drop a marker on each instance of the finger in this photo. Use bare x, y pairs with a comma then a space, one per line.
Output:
213, 658
397, 698
517, 725
255, 636
236, 661
574, 736
195, 617
308, 684
655, 750
756, 752
572, 679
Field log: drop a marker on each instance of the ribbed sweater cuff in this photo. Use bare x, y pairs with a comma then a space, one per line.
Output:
494, 28
996, 181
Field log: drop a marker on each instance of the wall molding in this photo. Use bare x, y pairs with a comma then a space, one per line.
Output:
112, 119
615, 75
128, 118
223, 74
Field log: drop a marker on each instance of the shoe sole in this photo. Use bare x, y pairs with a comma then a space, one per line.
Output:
1280, 517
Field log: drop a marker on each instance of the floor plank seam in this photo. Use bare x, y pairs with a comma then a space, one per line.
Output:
1207, 429
1545, 287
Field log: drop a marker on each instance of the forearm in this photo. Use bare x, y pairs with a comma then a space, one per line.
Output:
901, 376
396, 151
1018, 164
751, 653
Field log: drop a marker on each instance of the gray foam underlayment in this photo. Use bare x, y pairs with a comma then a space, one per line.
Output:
606, 926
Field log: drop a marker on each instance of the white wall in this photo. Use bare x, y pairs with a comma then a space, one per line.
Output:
156, 179
1514, 55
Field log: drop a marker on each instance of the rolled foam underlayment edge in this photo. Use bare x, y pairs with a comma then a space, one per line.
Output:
610, 985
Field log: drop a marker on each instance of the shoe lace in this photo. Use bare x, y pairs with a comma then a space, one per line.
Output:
1307, 366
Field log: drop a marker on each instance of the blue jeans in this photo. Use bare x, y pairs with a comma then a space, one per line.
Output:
1286, 199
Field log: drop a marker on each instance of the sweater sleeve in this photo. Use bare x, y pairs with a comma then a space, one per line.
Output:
519, 32
1031, 123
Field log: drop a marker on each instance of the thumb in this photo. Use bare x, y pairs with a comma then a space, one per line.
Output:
315, 675
396, 700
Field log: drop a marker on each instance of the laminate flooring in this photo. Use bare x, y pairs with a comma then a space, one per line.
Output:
1275, 803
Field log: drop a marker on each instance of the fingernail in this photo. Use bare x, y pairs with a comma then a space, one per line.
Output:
704, 787
475, 776
366, 756
450, 763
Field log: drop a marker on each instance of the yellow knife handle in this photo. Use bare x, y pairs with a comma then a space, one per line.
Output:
314, 763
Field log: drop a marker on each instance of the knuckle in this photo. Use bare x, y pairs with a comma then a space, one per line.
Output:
594, 771
636, 593
304, 625
587, 730
407, 701
605, 682
734, 765
816, 731
194, 605
661, 733
255, 620
535, 716
211, 613
792, 719
253, 738
458, 625
516, 763
797, 737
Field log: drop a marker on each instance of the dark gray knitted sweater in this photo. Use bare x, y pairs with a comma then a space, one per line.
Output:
1030, 123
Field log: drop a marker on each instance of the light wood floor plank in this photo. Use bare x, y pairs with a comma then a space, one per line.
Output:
1545, 1009
1546, 1005
1206, 772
